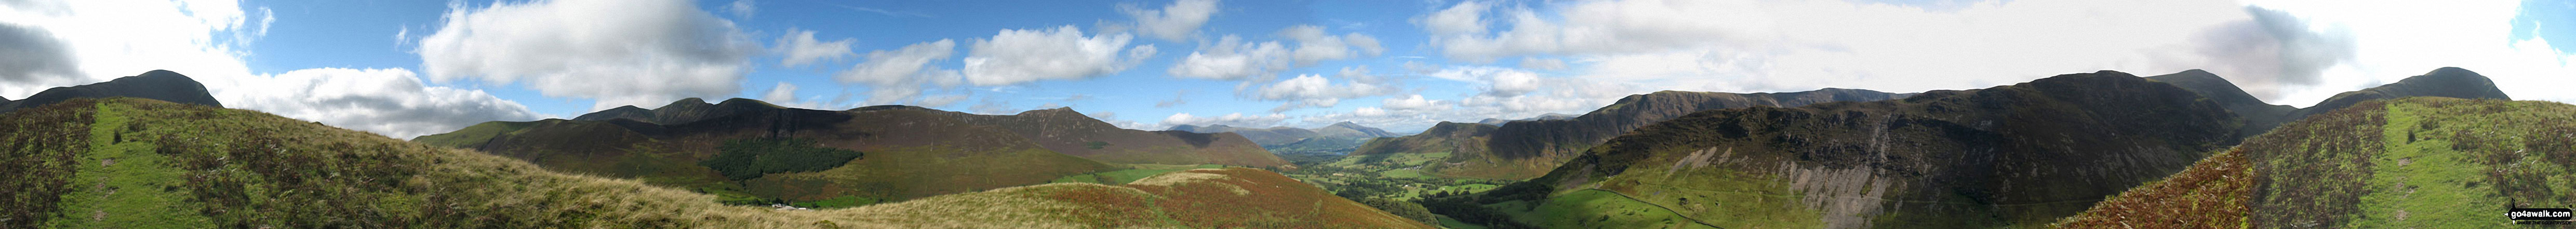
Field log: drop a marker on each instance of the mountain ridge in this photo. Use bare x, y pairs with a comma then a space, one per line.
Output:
1943, 159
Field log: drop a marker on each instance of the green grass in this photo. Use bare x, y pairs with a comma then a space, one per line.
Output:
742, 159
1598, 209
837, 202
1454, 224
119, 182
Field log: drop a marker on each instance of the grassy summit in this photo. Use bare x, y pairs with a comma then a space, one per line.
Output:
134, 163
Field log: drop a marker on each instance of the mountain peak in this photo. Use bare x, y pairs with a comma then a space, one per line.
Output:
2452, 71
685, 102
2196, 71
161, 85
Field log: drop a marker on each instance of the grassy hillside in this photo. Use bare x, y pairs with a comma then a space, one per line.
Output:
2019, 155
905, 153
2415, 162
132, 163
1528, 148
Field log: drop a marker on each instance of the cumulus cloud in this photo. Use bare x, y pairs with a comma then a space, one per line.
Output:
1233, 58
801, 48
1315, 45
1018, 56
390, 102
1497, 81
1414, 103
34, 56
784, 92
902, 74
1466, 17
742, 8
1234, 119
617, 52
1176, 21
1317, 91
2273, 51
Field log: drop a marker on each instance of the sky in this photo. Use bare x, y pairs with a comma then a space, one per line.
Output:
411, 68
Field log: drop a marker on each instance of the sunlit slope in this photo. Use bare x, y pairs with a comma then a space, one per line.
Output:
135, 163
2210, 194
2018, 155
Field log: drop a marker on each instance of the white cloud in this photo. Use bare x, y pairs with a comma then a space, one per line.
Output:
1233, 58
784, 92
1369, 111
742, 8
1234, 119
1497, 81
1467, 17
1773, 46
1317, 91
1414, 103
1176, 21
1018, 56
142, 36
182, 37
801, 48
901, 75
2471, 35
1314, 45
645, 52
391, 102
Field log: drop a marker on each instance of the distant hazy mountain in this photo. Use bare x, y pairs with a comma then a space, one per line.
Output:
137, 163
1337, 138
2007, 156
156, 84
1525, 149
1282, 135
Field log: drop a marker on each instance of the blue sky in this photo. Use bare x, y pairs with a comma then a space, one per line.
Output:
407, 68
